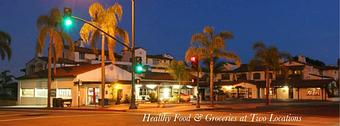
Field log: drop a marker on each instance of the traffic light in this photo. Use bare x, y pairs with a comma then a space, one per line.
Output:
194, 62
67, 19
139, 68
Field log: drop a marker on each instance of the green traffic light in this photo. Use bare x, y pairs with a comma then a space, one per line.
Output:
139, 69
68, 21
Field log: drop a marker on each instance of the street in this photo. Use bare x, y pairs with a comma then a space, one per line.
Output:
312, 115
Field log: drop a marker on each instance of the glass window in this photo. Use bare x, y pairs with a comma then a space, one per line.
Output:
64, 93
225, 77
40, 92
142, 91
27, 92
256, 75
313, 91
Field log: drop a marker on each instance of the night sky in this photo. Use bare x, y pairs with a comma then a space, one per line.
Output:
308, 27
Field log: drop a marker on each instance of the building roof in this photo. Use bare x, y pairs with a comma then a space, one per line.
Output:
62, 60
280, 83
91, 51
329, 68
158, 57
245, 68
70, 71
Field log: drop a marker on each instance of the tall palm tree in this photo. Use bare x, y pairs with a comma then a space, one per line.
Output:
178, 71
269, 58
208, 45
49, 27
107, 20
5, 42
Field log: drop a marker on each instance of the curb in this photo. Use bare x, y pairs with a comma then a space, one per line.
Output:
71, 109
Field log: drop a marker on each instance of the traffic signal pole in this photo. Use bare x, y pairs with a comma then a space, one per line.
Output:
133, 83
132, 48
198, 86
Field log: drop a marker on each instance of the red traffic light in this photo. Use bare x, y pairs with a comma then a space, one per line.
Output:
193, 59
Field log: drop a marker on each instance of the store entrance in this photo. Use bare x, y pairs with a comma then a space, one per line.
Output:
93, 96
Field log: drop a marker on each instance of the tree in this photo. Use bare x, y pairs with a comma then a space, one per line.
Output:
208, 45
49, 27
5, 42
269, 58
5, 80
178, 71
107, 20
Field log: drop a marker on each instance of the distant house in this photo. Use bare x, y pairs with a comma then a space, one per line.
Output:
304, 81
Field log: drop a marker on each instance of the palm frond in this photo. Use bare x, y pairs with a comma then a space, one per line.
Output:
68, 40
42, 21
95, 10
116, 10
124, 35
5, 37
2, 53
217, 43
85, 31
199, 40
208, 30
226, 35
229, 56
43, 33
57, 44
200, 53
111, 46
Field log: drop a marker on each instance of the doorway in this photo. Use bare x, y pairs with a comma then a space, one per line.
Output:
93, 96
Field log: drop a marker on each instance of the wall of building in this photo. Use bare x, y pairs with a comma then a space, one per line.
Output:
38, 96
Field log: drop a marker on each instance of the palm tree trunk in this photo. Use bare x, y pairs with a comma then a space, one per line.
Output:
267, 86
211, 65
49, 74
103, 72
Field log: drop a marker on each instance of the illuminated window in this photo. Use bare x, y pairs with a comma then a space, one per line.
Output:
27, 92
64, 93
40, 92
313, 91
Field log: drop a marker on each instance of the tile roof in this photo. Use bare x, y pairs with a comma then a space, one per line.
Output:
70, 71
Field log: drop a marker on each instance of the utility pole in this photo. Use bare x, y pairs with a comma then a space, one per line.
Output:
133, 95
198, 86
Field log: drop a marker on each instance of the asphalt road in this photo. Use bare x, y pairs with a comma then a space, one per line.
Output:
318, 115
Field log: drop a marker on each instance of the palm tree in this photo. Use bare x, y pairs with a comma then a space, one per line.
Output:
107, 20
208, 45
5, 42
49, 27
177, 70
269, 58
